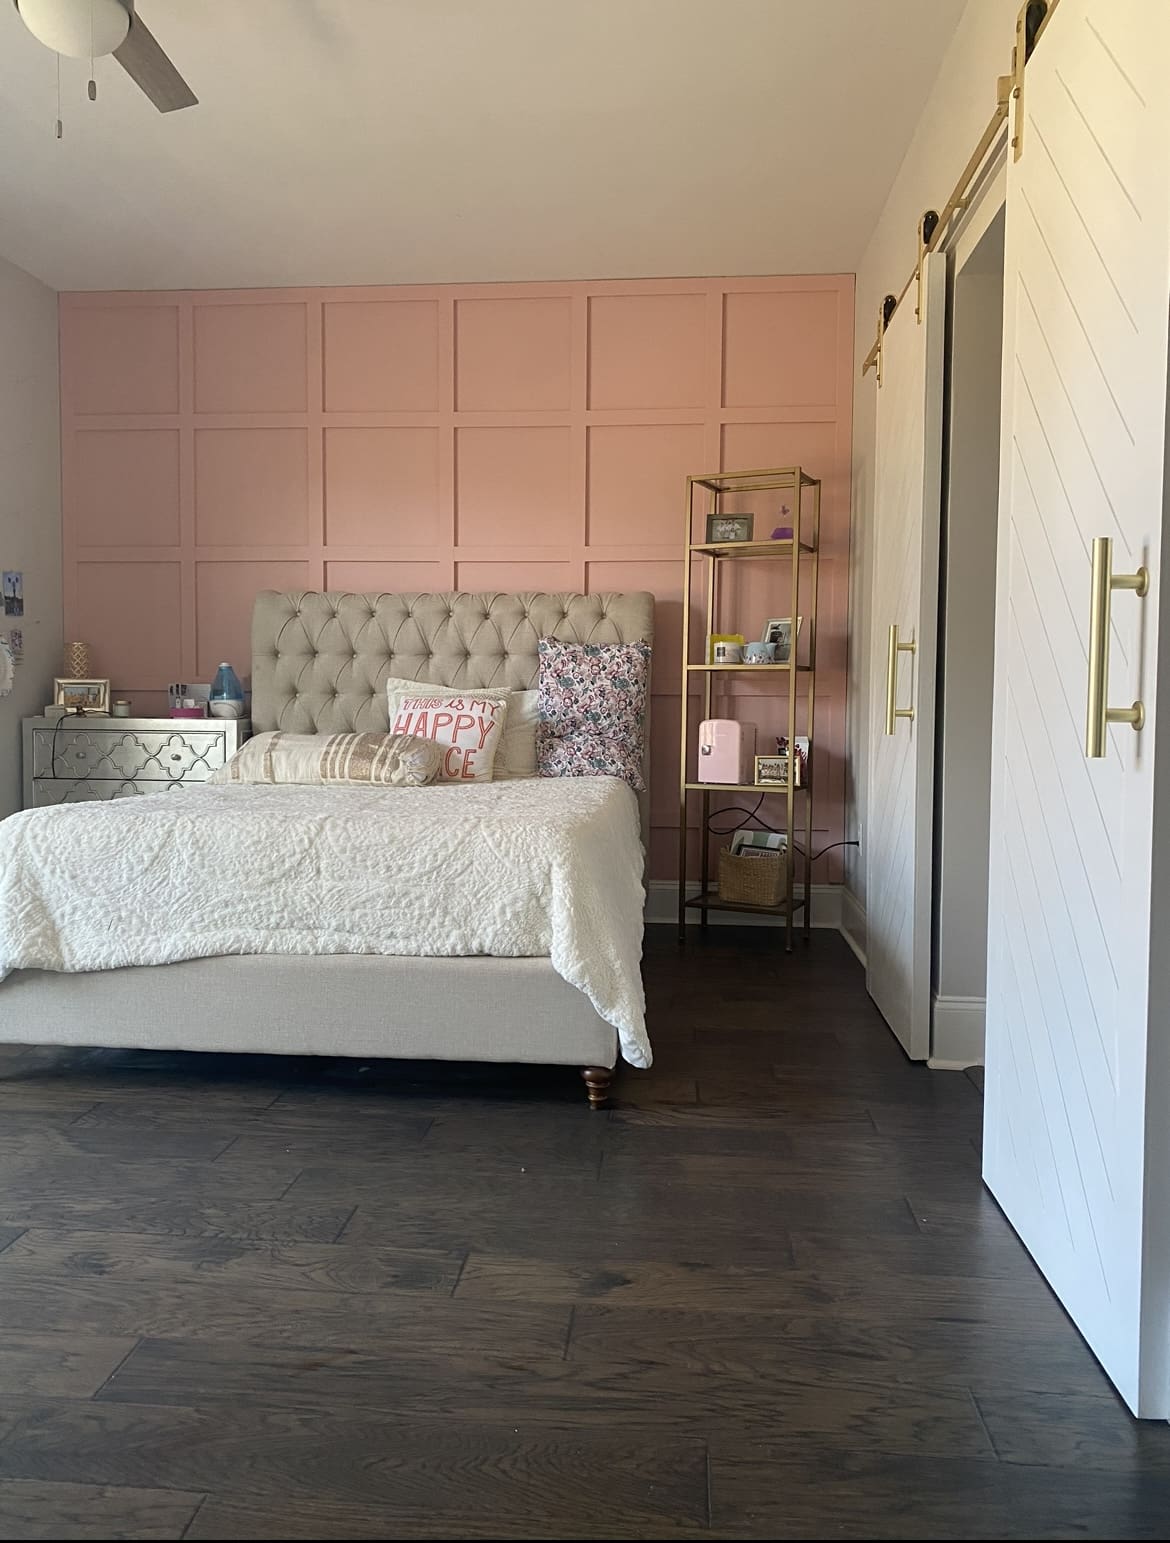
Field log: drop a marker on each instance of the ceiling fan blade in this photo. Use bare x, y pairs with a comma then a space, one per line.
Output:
149, 68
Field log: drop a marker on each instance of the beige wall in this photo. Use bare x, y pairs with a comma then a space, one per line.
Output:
960, 104
30, 501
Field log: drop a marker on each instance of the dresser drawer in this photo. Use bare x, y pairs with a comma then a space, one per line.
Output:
104, 754
80, 759
80, 790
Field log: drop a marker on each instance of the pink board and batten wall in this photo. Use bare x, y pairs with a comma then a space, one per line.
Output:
474, 437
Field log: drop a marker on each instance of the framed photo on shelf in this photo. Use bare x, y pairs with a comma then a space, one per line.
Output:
729, 528
82, 696
779, 630
772, 771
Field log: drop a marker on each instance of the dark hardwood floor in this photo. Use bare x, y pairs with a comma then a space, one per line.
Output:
764, 1296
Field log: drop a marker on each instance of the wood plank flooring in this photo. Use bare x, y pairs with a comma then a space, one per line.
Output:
763, 1296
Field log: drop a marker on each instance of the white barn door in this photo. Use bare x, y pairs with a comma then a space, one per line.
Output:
900, 781
1076, 1037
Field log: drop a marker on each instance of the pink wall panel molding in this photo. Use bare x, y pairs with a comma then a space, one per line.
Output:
483, 437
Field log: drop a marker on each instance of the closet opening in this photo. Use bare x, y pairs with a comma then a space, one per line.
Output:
967, 583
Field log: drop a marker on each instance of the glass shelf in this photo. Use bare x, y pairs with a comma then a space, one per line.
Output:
711, 902
752, 669
751, 548
768, 478
742, 787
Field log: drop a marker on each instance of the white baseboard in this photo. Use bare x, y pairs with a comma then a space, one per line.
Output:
956, 1032
853, 928
662, 906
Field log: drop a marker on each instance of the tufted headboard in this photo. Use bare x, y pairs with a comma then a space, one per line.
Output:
320, 660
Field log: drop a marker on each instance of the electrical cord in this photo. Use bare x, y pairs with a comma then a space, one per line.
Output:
72, 712
748, 815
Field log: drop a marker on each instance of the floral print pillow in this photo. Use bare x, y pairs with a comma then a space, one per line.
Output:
592, 700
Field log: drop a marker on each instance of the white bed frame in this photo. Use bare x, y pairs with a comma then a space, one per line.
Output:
319, 664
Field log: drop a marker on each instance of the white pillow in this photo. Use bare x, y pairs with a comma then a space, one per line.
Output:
519, 749
516, 757
469, 727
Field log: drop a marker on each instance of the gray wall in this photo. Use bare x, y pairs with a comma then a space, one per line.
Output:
963, 765
30, 501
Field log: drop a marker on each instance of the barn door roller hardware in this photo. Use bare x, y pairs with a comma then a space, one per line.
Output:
887, 308
1030, 24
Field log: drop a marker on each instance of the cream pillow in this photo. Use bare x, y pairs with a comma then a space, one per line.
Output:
357, 760
516, 757
469, 729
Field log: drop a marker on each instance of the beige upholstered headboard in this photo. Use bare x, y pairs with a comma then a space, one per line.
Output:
320, 660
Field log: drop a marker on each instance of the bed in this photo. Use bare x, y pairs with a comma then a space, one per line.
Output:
235, 980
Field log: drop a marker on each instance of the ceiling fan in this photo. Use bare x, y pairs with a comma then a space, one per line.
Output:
84, 28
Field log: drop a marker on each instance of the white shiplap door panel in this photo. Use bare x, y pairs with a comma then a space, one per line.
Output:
1074, 1091
900, 783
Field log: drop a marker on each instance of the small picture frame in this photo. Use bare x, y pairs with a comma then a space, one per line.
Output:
727, 529
771, 771
779, 630
81, 696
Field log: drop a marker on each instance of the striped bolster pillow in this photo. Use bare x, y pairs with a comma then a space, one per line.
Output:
357, 760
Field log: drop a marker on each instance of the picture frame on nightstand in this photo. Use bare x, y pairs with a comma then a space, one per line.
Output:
82, 696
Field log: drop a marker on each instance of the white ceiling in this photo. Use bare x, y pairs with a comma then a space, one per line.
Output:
399, 141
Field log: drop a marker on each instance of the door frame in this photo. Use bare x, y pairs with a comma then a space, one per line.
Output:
957, 1021
914, 1035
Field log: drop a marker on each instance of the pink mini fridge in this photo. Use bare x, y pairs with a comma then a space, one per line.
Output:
727, 750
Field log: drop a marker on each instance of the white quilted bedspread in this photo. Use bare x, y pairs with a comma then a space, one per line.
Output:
536, 868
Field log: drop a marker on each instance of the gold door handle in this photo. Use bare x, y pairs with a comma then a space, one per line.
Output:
893, 711
1104, 582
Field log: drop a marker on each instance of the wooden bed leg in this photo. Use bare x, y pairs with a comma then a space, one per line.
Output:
597, 1081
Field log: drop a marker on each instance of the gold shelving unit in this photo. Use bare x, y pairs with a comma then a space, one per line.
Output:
707, 495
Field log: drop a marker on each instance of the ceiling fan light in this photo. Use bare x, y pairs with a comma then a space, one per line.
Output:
77, 28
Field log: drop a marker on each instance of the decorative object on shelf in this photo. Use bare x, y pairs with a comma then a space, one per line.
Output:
783, 532
802, 751
226, 698
726, 652
795, 546
714, 639
120, 708
759, 653
772, 771
726, 750
747, 843
187, 701
778, 630
7, 667
12, 583
82, 696
730, 528
77, 663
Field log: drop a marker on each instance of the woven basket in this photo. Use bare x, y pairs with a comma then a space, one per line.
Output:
752, 880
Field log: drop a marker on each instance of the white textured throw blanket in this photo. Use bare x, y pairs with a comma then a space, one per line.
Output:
537, 868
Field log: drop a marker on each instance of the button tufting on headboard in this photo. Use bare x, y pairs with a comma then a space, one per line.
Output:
320, 660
